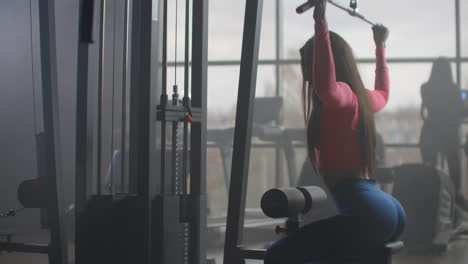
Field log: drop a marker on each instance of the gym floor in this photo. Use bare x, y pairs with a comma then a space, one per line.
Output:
457, 253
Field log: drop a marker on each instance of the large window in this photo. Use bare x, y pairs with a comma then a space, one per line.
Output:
417, 28
225, 30
464, 26
420, 31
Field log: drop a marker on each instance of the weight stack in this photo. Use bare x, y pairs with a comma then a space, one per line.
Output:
112, 230
168, 232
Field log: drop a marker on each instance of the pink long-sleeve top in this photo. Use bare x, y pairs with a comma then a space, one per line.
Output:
338, 145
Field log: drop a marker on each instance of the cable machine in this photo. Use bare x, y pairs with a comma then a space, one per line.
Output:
159, 216
180, 206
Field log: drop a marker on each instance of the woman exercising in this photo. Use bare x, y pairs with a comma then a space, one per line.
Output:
341, 141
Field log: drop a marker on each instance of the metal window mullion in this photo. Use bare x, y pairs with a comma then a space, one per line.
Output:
279, 45
458, 42
297, 61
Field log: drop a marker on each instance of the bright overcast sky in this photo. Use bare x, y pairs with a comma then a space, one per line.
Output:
418, 28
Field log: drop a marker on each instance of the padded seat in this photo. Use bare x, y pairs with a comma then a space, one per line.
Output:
381, 256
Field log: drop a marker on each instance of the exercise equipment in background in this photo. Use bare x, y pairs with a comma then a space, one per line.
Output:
428, 196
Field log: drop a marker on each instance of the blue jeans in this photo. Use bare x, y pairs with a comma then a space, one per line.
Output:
368, 218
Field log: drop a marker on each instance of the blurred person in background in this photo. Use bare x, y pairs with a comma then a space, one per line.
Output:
442, 111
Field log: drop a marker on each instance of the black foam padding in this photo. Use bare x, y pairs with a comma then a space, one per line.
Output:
306, 6
282, 202
86, 21
314, 197
31, 194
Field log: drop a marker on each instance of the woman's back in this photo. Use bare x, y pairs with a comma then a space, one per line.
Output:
338, 145
345, 122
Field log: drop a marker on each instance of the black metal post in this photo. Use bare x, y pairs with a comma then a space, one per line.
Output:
198, 132
123, 138
140, 114
243, 130
53, 181
82, 183
102, 22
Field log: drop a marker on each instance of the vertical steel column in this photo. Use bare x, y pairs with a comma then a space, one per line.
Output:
53, 181
138, 100
123, 140
243, 130
163, 100
82, 183
458, 42
102, 23
198, 131
134, 82
140, 114
158, 82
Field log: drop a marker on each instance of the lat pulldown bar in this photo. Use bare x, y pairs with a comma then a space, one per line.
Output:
352, 10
